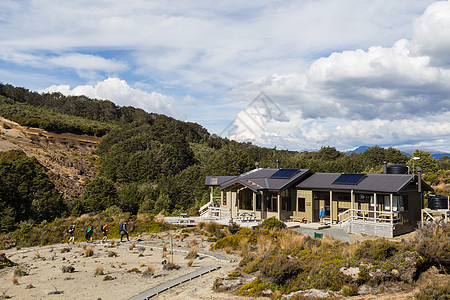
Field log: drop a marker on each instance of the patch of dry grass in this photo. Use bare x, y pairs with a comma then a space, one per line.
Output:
99, 270
89, 251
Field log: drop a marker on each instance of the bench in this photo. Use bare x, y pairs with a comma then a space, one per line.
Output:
297, 219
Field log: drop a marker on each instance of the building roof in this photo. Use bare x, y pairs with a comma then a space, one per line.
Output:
217, 180
268, 179
389, 183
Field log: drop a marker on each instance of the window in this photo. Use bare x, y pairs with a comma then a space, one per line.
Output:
286, 201
246, 200
258, 201
387, 202
301, 204
272, 201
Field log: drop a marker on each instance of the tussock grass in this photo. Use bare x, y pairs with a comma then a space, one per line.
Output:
99, 270
89, 251
131, 247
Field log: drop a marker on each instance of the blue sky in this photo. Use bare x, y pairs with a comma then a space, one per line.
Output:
288, 74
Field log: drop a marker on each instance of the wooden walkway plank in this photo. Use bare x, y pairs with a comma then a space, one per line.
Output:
147, 294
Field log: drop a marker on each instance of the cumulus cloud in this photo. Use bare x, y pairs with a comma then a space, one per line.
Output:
383, 95
120, 93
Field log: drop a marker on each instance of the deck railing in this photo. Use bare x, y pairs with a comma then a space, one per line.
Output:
215, 213
370, 216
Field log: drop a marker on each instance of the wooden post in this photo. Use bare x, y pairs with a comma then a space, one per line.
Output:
352, 204
254, 202
279, 206
375, 206
171, 250
331, 208
391, 199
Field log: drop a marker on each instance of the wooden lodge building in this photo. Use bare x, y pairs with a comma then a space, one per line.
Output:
379, 204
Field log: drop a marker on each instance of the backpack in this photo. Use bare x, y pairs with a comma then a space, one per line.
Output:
121, 226
89, 229
68, 229
101, 228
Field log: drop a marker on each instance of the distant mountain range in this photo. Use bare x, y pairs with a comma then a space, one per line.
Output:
435, 153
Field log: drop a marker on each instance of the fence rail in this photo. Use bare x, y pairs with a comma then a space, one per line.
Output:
370, 216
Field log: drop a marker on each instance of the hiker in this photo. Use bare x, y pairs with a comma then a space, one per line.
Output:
71, 231
89, 233
104, 229
123, 230
322, 215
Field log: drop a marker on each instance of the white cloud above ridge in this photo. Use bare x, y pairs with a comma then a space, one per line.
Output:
121, 94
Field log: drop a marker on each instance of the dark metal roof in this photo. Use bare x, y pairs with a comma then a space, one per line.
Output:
389, 183
261, 179
217, 180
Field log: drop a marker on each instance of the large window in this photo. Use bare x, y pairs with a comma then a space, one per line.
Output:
399, 202
286, 200
246, 199
272, 201
301, 204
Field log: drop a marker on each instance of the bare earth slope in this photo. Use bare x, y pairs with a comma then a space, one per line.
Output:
68, 158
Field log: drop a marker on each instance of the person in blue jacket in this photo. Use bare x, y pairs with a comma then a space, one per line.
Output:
322, 215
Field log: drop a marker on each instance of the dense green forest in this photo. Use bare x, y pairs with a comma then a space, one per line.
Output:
152, 163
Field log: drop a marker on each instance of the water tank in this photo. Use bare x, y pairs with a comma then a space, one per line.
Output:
438, 202
397, 169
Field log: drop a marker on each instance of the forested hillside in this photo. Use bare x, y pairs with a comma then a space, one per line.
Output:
153, 163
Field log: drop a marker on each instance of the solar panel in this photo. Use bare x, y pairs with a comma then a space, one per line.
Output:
284, 173
349, 179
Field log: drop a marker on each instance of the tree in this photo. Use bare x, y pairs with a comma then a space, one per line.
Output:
374, 156
99, 195
444, 163
426, 161
395, 156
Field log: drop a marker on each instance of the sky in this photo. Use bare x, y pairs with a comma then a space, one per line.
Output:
294, 75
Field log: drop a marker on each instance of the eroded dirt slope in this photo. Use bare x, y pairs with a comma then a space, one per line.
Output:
69, 159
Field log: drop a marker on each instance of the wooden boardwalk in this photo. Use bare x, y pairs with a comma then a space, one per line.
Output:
172, 283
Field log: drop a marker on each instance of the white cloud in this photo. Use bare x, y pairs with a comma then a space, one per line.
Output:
87, 62
384, 95
121, 94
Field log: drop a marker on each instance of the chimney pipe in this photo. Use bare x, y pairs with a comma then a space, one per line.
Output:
419, 179
257, 165
278, 164
385, 167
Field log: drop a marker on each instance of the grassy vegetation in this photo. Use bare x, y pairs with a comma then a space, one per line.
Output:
284, 261
30, 234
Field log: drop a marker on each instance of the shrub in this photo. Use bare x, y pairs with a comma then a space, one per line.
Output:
349, 290
272, 223
279, 268
434, 290
171, 266
380, 249
112, 254
21, 271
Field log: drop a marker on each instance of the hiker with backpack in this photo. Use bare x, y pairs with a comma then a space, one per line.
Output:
104, 229
89, 233
123, 230
71, 231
